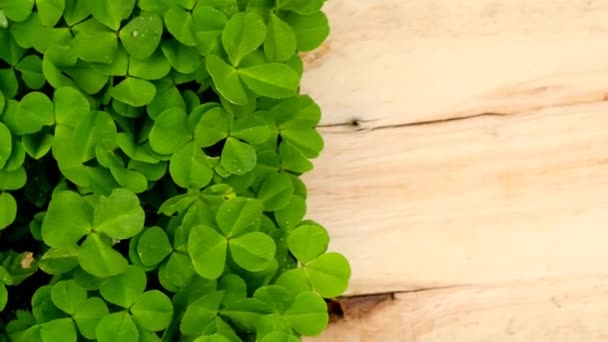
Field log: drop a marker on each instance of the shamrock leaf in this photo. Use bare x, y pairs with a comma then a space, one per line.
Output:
243, 33
329, 274
208, 24
275, 80
135, 92
276, 191
17, 10
117, 327
253, 251
58, 329
141, 36
208, 251
179, 23
280, 43
201, 312
68, 296
239, 215
301, 6
212, 127
170, 131
308, 242
227, 80
67, 220
96, 256
120, 215
109, 12
311, 30
153, 246
252, 129
99, 47
238, 157
123, 289
308, 314
190, 168
88, 315
33, 112
154, 67
58, 261
184, 59
152, 310
3, 296
8, 209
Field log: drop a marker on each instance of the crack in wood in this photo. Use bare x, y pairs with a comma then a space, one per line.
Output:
358, 125
355, 307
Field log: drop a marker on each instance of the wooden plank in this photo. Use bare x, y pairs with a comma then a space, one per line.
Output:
564, 310
505, 207
494, 198
482, 200
391, 61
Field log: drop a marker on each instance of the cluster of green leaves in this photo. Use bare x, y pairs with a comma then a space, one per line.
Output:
150, 162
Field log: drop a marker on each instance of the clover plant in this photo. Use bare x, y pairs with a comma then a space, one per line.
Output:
150, 162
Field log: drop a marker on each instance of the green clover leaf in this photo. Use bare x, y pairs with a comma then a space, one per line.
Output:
8, 209
141, 36
110, 13
190, 168
68, 296
238, 157
307, 242
119, 216
308, 314
152, 150
212, 127
280, 43
208, 24
311, 30
134, 91
96, 256
17, 10
208, 251
58, 329
153, 310
67, 220
117, 327
276, 191
88, 315
153, 246
253, 251
201, 312
239, 215
58, 261
243, 34
227, 80
123, 289
329, 274
179, 23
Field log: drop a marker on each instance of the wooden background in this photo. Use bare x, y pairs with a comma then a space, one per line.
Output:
465, 173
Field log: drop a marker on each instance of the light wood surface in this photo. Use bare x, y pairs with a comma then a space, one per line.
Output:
467, 148
557, 310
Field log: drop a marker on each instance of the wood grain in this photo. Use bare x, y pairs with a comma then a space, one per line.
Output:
490, 199
466, 149
557, 310
391, 61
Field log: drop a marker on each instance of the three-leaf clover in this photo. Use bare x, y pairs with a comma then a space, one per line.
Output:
237, 220
71, 217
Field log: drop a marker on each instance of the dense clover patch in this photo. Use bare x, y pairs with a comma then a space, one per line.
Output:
150, 154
